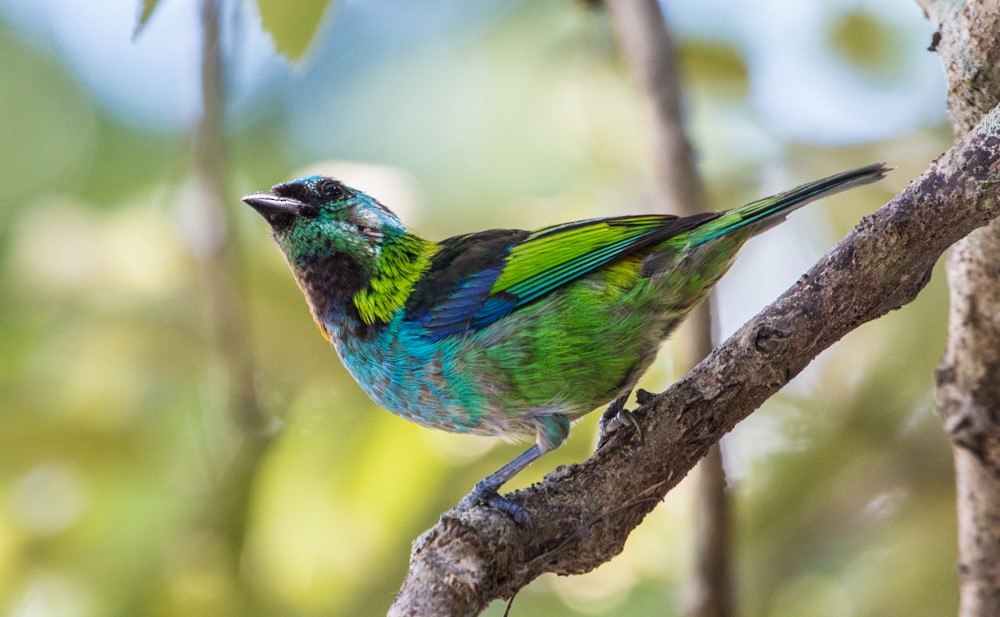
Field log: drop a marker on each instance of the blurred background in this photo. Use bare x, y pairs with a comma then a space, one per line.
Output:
176, 439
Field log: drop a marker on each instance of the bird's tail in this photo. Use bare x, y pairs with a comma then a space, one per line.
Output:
769, 211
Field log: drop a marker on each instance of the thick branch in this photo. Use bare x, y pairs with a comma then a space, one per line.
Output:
584, 513
969, 375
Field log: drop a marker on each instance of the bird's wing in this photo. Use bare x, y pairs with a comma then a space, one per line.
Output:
478, 278
450, 293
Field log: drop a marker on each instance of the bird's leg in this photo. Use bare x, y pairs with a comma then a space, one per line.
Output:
551, 431
616, 417
485, 490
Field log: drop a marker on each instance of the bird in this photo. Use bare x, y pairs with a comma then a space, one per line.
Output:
507, 332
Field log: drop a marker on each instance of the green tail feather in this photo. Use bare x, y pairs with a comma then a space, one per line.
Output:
770, 210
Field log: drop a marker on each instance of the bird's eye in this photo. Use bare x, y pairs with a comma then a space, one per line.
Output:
331, 189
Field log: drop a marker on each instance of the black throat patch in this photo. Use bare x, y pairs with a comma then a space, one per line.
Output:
329, 284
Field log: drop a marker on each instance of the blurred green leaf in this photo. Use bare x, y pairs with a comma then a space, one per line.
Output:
865, 41
146, 8
47, 114
713, 64
292, 26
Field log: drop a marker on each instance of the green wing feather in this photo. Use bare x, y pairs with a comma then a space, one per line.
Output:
763, 213
553, 256
477, 279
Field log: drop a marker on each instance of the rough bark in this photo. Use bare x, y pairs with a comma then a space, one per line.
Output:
647, 47
584, 513
968, 43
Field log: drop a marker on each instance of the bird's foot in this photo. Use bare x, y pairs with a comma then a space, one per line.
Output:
485, 493
616, 417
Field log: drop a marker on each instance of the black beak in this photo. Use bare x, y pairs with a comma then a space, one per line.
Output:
275, 209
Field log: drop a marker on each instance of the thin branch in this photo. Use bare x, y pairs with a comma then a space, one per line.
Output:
648, 50
226, 514
220, 269
472, 557
647, 46
710, 590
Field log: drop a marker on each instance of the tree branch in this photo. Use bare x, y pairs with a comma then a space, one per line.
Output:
969, 375
647, 46
226, 514
584, 513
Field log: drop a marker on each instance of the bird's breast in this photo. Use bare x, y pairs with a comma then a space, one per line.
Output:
410, 376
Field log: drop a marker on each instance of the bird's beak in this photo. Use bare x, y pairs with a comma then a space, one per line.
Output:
273, 208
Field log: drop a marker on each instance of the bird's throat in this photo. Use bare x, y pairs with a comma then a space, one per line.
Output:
343, 293
329, 284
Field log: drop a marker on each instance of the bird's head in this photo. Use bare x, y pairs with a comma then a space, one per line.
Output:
316, 217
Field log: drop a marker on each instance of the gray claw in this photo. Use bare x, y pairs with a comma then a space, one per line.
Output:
616, 417
622, 419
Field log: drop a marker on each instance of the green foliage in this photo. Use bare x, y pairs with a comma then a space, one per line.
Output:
45, 112
292, 25
146, 8
866, 41
715, 65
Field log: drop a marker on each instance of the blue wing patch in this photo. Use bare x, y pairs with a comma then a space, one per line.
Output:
460, 310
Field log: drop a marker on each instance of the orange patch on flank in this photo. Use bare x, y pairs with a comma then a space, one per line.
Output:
319, 325
316, 319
